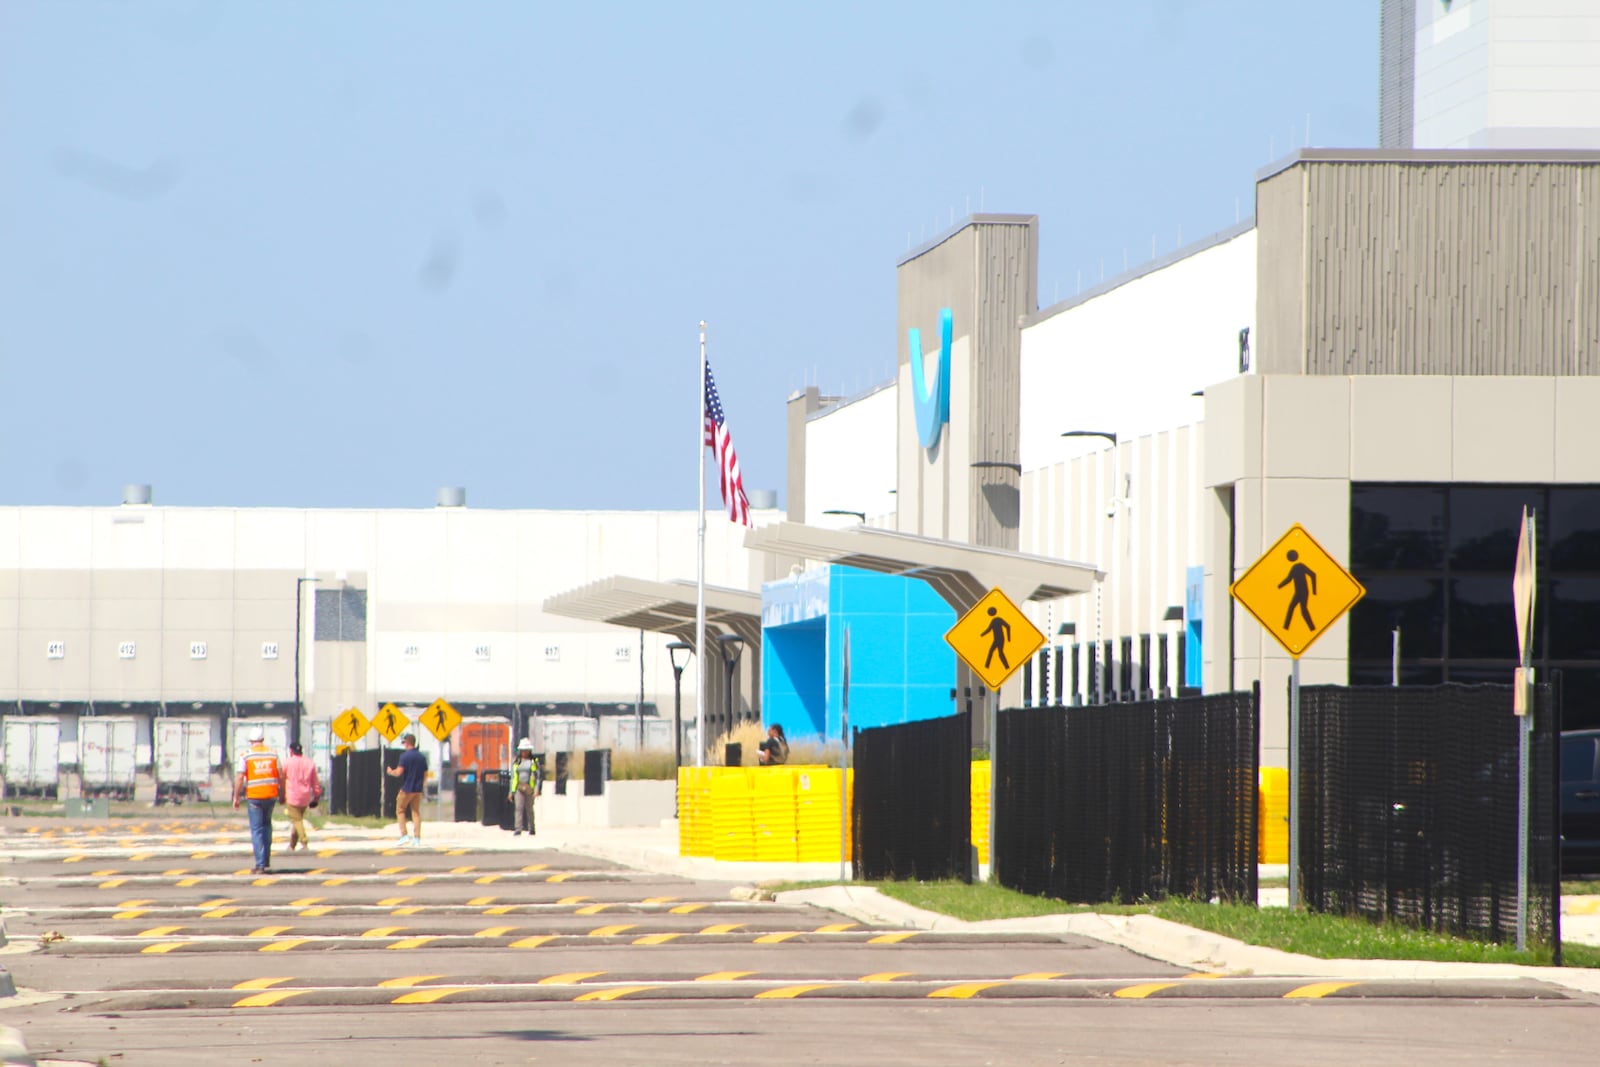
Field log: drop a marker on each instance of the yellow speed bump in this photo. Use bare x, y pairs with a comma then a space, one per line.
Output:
408, 981
428, 996
269, 998
614, 994
1316, 990
789, 992
412, 942
1139, 992
262, 983
964, 991
570, 978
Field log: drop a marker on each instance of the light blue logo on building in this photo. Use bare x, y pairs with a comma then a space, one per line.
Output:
932, 405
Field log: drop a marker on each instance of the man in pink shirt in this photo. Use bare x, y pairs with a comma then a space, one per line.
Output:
301, 790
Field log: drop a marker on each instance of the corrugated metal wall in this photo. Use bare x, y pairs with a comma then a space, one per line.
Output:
1488, 268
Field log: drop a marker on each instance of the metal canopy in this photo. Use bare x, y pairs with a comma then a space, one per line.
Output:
662, 607
959, 573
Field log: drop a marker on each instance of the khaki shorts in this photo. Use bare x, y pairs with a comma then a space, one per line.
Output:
408, 804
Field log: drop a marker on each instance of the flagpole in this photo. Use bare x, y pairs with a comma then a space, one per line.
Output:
700, 570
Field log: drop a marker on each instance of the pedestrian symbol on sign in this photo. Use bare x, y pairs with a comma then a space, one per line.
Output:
999, 632
1299, 574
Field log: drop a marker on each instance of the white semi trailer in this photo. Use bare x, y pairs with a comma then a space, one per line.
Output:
33, 756
182, 760
106, 756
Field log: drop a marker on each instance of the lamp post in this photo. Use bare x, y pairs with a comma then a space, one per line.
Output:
294, 721
678, 652
730, 645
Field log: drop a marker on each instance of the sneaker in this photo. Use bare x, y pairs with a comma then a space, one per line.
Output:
407, 839
415, 842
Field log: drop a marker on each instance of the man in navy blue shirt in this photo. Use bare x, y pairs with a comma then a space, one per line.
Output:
413, 775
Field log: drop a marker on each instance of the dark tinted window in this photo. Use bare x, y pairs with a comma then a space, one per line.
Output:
1482, 624
1574, 529
1572, 624
1416, 605
1397, 527
1577, 759
1580, 698
1382, 673
1484, 523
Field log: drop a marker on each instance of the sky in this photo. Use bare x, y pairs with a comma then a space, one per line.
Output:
340, 255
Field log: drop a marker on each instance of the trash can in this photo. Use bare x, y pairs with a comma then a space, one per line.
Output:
467, 796
492, 789
732, 754
596, 771
562, 759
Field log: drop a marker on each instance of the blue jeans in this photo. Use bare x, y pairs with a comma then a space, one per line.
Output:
261, 830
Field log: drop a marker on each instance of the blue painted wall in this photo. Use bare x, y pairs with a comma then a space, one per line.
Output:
900, 667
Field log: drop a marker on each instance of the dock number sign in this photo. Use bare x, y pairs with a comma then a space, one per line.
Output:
994, 638
1296, 590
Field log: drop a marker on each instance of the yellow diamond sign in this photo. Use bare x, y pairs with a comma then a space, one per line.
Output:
390, 721
440, 719
349, 725
994, 638
1296, 590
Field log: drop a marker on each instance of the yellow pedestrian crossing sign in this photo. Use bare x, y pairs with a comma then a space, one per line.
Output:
441, 719
994, 638
349, 725
1296, 590
390, 721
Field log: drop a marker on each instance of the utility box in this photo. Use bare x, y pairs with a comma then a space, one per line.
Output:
182, 759
33, 756
106, 756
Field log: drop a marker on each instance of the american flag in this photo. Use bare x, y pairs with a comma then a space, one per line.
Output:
721, 444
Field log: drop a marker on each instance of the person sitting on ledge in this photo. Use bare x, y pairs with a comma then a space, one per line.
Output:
775, 749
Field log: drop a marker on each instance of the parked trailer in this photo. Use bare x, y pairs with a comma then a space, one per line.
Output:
483, 744
182, 760
33, 756
106, 763
276, 733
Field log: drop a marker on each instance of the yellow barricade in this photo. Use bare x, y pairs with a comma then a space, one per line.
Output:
980, 808
1274, 792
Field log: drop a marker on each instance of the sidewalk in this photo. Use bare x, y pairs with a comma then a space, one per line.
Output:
655, 848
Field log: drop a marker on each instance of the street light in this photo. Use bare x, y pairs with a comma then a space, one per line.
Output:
294, 721
730, 645
676, 651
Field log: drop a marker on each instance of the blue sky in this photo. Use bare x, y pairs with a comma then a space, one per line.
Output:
339, 255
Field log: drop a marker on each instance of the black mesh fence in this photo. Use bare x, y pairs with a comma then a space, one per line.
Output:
1408, 808
1130, 801
912, 806
354, 787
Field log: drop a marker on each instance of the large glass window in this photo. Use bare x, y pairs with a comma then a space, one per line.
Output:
1437, 562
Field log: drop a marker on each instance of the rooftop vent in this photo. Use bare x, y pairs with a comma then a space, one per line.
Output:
453, 496
763, 499
136, 494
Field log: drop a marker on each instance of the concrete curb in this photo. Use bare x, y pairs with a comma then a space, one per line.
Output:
13, 1049
1181, 946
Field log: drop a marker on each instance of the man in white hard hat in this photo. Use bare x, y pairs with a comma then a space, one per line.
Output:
260, 783
524, 786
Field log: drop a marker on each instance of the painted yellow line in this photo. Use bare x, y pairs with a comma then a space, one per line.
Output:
217, 903
723, 928
494, 931
137, 903
789, 992
894, 938
1317, 989
415, 909
382, 931
174, 872
535, 867
686, 909
488, 879
1201, 975
591, 909
724, 976
613, 994
478, 902
416, 879
413, 942
572, 900
262, 983
408, 981
285, 946
455, 852
158, 931
269, 931
335, 881
269, 880
883, 976
132, 913
461, 870
394, 852
656, 939
325, 853
392, 902
306, 902
1038, 976
612, 931
137, 856
269, 998
74, 859
658, 900
167, 946
835, 928
773, 939
113, 883
1139, 992
187, 882
534, 942
318, 911
218, 913
558, 877
107, 873
319, 870
391, 870
570, 978
427, 996
502, 909
242, 871
201, 855
964, 991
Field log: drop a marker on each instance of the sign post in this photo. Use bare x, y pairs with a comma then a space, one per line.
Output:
1523, 583
1296, 590
994, 638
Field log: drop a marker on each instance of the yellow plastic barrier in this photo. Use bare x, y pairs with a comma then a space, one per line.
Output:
1274, 792
771, 814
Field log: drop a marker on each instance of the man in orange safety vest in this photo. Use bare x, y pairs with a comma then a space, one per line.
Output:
260, 783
